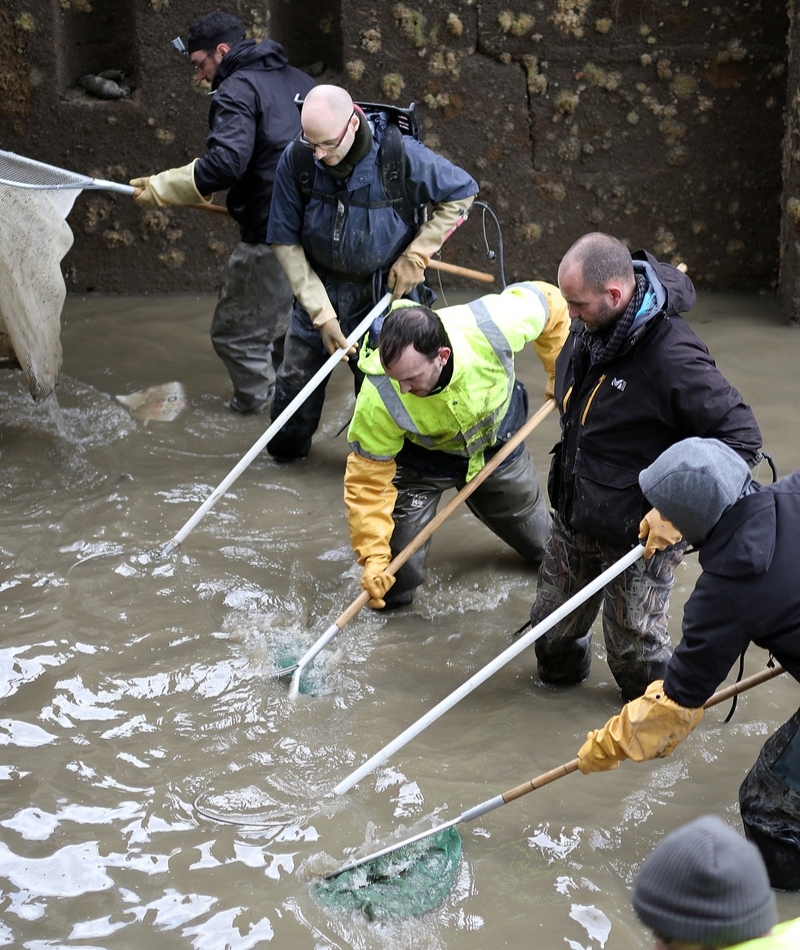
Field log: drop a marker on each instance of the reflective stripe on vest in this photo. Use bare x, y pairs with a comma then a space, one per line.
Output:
483, 434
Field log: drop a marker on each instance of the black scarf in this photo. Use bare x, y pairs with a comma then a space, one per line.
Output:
361, 147
604, 345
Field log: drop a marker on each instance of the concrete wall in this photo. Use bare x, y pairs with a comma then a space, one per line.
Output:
659, 121
790, 203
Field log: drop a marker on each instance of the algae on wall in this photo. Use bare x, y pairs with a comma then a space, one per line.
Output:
658, 122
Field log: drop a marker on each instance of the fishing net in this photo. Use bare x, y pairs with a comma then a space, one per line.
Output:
404, 883
34, 237
312, 681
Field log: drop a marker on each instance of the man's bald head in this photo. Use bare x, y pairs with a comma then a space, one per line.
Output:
330, 122
328, 106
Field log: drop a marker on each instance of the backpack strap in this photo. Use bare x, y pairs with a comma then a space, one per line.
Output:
392, 162
301, 159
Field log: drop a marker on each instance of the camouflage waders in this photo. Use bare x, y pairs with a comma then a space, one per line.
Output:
634, 606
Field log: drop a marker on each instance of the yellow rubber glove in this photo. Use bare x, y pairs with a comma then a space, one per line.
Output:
369, 495
550, 341
647, 728
659, 532
173, 187
444, 219
310, 291
333, 339
407, 272
375, 582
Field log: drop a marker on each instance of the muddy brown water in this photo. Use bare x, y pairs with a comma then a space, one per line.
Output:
159, 788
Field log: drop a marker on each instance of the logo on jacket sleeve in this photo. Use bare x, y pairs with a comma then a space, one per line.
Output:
619, 384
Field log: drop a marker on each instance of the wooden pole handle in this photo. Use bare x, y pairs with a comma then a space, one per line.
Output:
446, 268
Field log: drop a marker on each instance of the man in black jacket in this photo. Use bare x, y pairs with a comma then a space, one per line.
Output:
631, 380
747, 535
252, 118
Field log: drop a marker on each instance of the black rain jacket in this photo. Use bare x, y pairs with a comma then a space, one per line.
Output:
748, 592
618, 416
252, 119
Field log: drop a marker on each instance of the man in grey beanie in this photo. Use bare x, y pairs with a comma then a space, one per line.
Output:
748, 537
704, 886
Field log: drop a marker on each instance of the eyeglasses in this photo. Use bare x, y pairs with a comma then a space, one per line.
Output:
327, 146
199, 66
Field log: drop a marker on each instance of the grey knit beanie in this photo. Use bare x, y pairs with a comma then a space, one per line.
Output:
704, 883
693, 483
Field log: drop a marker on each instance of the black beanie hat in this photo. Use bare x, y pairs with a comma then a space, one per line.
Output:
704, 883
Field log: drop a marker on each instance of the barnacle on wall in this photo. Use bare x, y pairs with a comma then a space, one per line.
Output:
515, 25
154, 221
97, 211
355, 69
173, 259
537, 82
116, 237
444, 61
531, 232
411, 23
371, 40
25, 22
684, 86
793, 210
570, 16
392, 85
455, 24
566, 103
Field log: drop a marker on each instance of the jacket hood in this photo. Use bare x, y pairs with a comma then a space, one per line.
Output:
267, 54
693, 483
678, 291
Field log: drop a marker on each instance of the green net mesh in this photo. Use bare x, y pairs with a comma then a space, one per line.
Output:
410, 881
311, 682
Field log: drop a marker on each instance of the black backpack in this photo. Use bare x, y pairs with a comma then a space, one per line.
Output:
391, 158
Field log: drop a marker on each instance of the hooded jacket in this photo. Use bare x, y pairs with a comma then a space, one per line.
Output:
618, 416
748, 592
252, 118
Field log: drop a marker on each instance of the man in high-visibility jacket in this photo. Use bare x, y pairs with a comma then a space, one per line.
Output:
440, 397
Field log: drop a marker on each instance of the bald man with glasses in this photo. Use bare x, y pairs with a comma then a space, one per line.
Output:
343, 245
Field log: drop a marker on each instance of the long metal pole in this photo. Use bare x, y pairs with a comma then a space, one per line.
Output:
325, 370
546, 778
499, 661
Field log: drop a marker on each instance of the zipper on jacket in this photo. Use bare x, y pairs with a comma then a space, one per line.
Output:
592, 394
566, 398
337, 223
